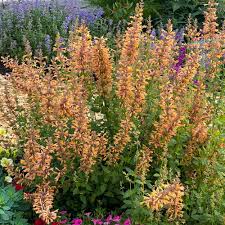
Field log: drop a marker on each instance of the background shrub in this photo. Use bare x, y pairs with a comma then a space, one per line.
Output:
39, 22
159, 10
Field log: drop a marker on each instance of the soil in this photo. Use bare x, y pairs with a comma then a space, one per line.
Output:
4, 70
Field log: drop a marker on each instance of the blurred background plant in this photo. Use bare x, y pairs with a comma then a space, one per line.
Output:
159, 10
39, 22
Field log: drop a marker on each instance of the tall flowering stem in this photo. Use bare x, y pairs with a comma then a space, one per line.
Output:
169, 196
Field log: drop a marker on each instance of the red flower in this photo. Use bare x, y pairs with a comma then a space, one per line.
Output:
39, 222
18, 187
55, 223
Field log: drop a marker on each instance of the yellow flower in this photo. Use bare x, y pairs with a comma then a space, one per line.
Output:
1, 149
6, 162
2, 131
8, 179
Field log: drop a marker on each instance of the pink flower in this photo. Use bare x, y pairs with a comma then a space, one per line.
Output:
77, 221
87, 214
63, 221
97, 221
116, 218
109, 218
127, 222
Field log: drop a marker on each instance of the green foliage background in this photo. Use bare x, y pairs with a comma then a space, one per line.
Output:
159, 10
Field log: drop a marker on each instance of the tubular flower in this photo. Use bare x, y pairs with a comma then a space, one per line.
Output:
167, 196
213, 41
126, 87
128, 57
210, 27
36, 160
86, 142
80, 50
131, 42
140, 82
199, 116
144, 161
170, 118
43, 203
121, 139
102, 67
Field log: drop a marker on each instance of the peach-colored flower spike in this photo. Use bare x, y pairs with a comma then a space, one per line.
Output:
36, 160
170, 118
199, 116
43, 203
169, 196
80, 48
128, 57
121, 139
144, 161
210, 27
102, 66
213, 39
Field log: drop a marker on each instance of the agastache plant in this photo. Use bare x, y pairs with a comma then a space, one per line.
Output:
89, 116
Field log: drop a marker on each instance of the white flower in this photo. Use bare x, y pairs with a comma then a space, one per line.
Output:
6, 162
8, 179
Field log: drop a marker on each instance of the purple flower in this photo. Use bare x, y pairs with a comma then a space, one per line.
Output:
153, 33
180, 36
47, 42
196, 82
127, 222
181, 58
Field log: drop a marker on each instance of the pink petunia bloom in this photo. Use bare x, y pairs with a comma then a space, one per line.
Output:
77, 221
127, 222
97, 221
109, 218
116, 218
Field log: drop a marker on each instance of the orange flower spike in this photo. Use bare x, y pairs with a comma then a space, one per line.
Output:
121, 139
128, 57
36, 160
43, 203
168, 196
144, 161
140, 83
200, 115
102, 66
166, 51
125, 86
80, 49
192, 32
170, 119
130, 48
210, 26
